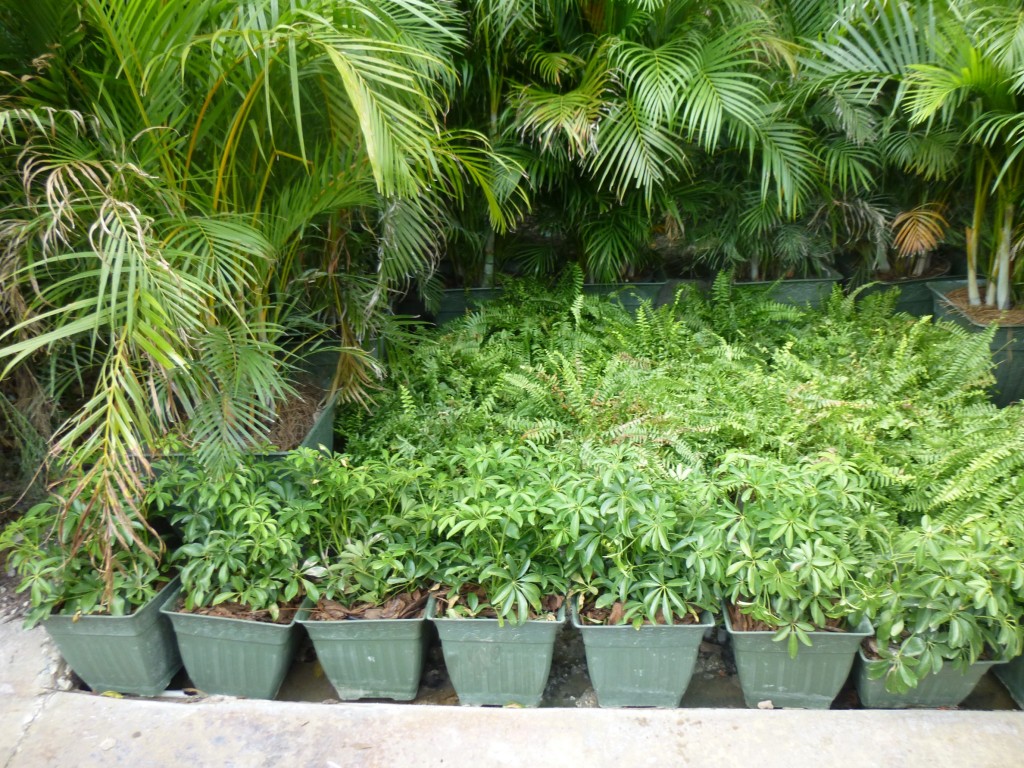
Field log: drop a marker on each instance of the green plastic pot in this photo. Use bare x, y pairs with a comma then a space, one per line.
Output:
369, 658
809, 681
128, 654
649, 666
1012, 676
233, 657
497, 664
629, 295
798, 292
947, 688
456, 302
1007, 346
915, 296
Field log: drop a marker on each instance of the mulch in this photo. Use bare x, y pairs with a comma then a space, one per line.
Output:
984, 315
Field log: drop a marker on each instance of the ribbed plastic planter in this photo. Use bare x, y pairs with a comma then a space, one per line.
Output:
128, 654
369, 658
497, 664
1012, 676
456, 302
809, 681
946, 689
629, 295
799, 292
233, 657
1007, 346
649, 666
915, 296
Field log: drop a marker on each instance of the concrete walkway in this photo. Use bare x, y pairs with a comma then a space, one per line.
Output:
41, 725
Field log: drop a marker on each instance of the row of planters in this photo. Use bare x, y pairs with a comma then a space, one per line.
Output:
811, 478
350, 551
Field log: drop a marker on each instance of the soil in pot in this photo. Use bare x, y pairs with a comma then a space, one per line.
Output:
231, 610
984, 315
1007, 346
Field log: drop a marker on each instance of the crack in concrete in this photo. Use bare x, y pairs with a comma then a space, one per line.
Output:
44, 699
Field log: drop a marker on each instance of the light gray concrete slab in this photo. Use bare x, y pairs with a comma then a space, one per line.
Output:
82, 730
29, 667
27, 661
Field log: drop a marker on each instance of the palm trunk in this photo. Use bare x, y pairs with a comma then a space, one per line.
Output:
1005, 239
974, 238
488, 277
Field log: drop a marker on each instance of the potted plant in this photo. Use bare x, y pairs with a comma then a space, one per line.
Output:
245, 534
795, 534
367, 616
944, 609
500, 603
110, 632
644, 590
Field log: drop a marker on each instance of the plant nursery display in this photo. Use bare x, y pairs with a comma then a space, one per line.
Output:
717, 448
200, 200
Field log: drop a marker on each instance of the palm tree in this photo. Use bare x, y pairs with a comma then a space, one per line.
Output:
185, 181
619, 105
952, 71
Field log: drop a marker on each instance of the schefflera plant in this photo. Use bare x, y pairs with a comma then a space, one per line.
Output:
366, 550
631, 549
945, 593
490, 509
796, 536
245, 532
59, 567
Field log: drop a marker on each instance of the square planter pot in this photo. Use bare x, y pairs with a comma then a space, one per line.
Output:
233, 657
629, 295
810, 681
1012, 676
128, 654
1007, 346
650, 666
946, 689
497, 664
369, 658
798, 292
915, 296
456, 302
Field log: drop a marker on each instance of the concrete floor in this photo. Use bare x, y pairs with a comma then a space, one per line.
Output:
41, 725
